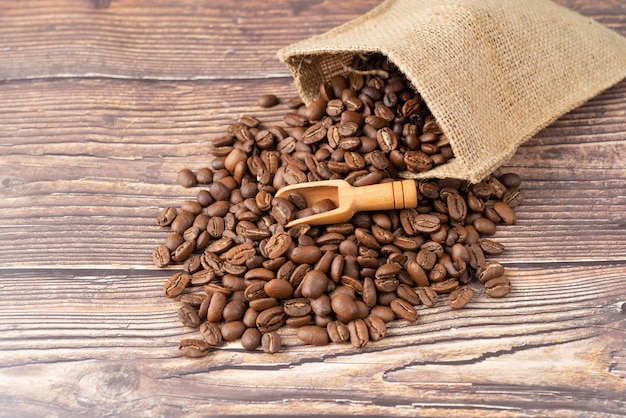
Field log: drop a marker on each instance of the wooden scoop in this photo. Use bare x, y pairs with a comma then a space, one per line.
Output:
348, 199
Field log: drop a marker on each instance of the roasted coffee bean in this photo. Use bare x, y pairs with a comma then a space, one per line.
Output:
460, 297
262, 304
314, 284
445, 286
204, 175
267, 100
216, 307
251, 339
279, 289
217, 209
485, 226
491, 247
161, 256
192, 299
176, 284
417, 161
338, 332
506, 213
282, 210
234, 310
489, 271
313, 335
232, 331
239, 255
297, 307
344, 307
270, 319
307, 254
277, 245
188, 316
427, 296
202, 277
271, 342
359, 333
403, 310
498, 287
193, 263
211, 333
166, 216
194, 348
186, 178
383, 312
376, 327
183, 251
182, 221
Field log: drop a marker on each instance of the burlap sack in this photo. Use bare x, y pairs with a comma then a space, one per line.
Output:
493, 72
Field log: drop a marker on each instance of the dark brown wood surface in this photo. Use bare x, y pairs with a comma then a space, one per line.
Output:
99, 109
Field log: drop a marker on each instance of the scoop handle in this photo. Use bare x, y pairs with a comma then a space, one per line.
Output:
385, 196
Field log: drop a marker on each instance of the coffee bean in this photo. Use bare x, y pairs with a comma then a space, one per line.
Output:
194, 348
183, 251
460, 297
491, 247
307, 254
216, 307
297, 307
489, 271
498, 287
417, 161
376, 327
338, 332
262, 304
344, 307
279, 289
166, 216
161, 256
232, 331
427, 296
271, 342
211, 333
403, 310
186, 178
270, 319
239, 255
505, 212
313, 335
277, 245
267, 100
176, 284
234, 310
251, 339
188, 316
359, 333
314, 284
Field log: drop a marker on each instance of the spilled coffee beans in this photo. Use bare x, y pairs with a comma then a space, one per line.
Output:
246, 276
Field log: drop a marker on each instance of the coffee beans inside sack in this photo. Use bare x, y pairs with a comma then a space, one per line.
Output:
245, 276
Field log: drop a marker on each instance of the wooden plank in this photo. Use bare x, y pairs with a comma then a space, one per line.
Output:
554, 344
139, 39
125, 141
101, 108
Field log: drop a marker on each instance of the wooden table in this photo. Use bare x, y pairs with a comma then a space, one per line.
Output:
100, 108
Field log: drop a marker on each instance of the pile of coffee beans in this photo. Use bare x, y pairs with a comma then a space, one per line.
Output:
246, 275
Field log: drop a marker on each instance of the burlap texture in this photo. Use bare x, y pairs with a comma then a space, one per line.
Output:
493, 72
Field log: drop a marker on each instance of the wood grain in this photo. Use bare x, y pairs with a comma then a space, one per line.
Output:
99, 109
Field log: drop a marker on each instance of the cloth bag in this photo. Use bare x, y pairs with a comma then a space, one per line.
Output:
492, 72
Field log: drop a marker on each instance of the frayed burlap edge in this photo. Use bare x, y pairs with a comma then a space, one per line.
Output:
493, 73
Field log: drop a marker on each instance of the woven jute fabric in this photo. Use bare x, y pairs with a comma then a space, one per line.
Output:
492, 72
